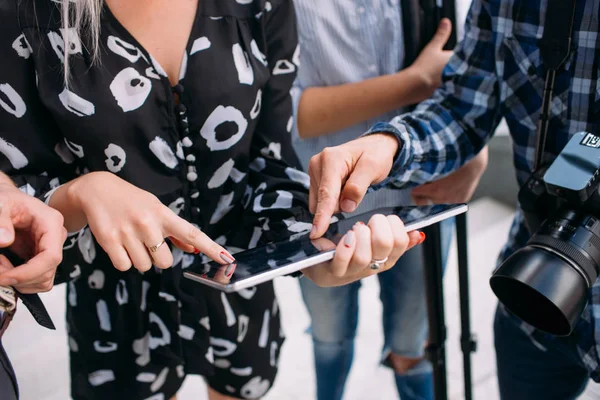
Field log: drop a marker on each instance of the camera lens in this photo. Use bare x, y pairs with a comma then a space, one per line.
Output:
546, 283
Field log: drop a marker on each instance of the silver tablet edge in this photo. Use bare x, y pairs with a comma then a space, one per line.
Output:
312, 261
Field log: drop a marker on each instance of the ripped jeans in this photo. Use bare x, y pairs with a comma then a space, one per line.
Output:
334, 315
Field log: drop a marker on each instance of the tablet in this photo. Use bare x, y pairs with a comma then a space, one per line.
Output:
262, 264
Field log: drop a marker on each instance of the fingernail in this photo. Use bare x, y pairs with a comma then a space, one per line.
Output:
196, 251
348, 205
8, 282
313, 231
225, 256
349, 241
422, 237
4, 235
229, 270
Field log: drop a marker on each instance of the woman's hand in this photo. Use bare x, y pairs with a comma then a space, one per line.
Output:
458, 187
34, 232
432, 60
128, 222
384, 238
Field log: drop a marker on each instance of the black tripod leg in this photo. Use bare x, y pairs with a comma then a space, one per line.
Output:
467, 341
436, 352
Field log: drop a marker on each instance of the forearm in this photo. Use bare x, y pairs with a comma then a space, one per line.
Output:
324, 110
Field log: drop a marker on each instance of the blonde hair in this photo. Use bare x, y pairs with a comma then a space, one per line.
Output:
83, 16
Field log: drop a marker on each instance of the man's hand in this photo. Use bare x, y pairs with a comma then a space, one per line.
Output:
340, 176
457, 187
33, 231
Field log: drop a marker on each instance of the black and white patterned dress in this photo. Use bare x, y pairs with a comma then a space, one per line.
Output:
221, 158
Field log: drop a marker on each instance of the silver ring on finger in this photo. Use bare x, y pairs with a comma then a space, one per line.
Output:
376, 264
154, 249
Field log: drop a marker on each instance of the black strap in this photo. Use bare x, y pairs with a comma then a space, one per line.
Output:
31, 301
555, 44
555, 47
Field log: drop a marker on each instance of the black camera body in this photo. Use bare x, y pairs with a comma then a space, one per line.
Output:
546, 282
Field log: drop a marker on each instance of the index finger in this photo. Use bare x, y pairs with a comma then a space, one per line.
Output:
185, 232
328, 195
49, 256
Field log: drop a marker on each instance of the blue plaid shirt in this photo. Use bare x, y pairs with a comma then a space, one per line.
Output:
497, 72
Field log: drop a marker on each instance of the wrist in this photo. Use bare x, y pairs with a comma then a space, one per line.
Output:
425, 85
69, 199
392, 143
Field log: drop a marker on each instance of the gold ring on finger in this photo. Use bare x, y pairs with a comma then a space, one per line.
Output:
154, 249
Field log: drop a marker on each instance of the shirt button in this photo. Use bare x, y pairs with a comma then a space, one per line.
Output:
532, 70
191, 174
195, 212
361, 10
181, 109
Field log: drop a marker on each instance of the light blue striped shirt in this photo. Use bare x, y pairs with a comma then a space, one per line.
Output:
346, 41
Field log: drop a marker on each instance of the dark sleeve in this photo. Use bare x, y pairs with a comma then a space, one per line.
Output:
29, 141
278, 206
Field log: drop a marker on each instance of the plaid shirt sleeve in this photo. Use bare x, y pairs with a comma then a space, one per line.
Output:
451, 127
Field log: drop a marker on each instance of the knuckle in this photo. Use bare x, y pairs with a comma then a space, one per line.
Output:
314, 162
329, 152
193, 232
57, 217
164, 262
323, 193
383, 242
56, 257
353, 189
361, 260
110, 236
48, 285
401, 241
123, 265
143, 266
144, 221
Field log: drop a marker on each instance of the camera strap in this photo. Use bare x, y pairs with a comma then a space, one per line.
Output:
555, 47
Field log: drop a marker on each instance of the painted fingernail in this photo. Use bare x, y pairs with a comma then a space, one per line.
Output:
348, 205
229, 270
225, 256
196, 251
422, 239
349, 241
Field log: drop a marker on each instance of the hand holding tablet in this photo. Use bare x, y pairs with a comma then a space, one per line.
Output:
299, 252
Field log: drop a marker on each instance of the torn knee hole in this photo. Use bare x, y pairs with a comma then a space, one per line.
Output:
402, 365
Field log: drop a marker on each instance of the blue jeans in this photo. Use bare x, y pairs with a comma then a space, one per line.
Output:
545, 368
334, 315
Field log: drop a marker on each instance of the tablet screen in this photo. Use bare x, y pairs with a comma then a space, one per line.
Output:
261, 264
